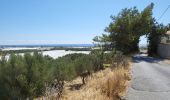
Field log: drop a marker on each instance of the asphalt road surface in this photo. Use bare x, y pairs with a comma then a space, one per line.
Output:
151, 79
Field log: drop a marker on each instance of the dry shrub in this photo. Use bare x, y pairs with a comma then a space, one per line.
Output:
90, 91
115, 83
104, 85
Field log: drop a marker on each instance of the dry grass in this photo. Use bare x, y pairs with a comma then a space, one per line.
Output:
103, 85
115, 84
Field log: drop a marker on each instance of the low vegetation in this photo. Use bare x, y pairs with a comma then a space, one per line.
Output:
34, 75
104, 85
108, 84
23, 76
101, 75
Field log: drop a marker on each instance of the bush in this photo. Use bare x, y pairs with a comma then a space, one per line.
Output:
84, 66
23, 77
99, 59
73, 65
12, 78
120, 60
28, 76
115, 84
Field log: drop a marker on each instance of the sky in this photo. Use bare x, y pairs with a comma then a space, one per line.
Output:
64, 21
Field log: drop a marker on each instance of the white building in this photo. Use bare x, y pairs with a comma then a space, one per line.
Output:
164, 46
166, 38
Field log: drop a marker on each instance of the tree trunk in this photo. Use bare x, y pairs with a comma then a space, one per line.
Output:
83, 80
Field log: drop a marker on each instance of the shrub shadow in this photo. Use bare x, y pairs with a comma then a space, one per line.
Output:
75, 87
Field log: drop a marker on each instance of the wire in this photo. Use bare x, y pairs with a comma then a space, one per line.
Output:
164, 12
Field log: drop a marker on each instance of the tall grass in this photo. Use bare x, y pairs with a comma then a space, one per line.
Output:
115, 83
103, 85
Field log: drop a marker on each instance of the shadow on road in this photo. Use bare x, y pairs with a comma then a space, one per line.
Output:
143, 58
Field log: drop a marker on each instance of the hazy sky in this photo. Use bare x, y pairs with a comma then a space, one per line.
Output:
64, 21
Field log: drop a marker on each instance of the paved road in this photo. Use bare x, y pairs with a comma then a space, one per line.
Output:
151, 79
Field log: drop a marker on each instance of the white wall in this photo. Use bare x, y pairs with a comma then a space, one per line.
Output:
164, 50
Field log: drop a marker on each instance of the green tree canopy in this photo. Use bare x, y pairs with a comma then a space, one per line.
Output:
126, 28
157, 31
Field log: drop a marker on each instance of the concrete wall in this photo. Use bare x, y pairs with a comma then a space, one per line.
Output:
164, 50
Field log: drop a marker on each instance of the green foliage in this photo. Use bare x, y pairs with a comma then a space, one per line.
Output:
64, 68
29, 75
108, 57
157, 31
73, 65
84, 63
126, 29
23, 76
